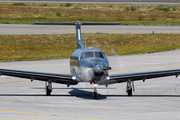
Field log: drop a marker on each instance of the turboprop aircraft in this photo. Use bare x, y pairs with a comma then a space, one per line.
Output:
88, 65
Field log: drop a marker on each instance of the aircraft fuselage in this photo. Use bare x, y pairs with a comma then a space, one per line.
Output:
89, 65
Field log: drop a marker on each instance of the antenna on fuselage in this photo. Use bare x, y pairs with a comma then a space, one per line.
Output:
85, 43
79, 44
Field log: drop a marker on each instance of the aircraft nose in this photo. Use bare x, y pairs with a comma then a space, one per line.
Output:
98, 68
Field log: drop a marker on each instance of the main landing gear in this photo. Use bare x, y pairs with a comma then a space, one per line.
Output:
48, 87
130, 87
95, 91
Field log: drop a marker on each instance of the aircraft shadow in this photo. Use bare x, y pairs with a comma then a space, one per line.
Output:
88, 95
85, 94
74, 92
70, 88
143, 96
78, 92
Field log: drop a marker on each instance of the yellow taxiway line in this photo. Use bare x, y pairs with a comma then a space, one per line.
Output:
15, 119
14, 81
144, 69
72, 116
62, 116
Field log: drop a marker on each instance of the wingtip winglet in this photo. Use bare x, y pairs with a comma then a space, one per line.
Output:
35, 23
118, 23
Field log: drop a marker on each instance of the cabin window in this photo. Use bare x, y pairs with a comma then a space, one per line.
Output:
88, 55
99, 55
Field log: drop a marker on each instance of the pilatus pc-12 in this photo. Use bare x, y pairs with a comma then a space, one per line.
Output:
88, 65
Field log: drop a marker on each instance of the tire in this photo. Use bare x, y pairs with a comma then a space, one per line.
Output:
129, 92
48, 91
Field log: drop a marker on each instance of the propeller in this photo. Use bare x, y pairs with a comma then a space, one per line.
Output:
117, 65
98, 68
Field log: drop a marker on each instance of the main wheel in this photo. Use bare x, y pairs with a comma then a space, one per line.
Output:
129, 92
48, 91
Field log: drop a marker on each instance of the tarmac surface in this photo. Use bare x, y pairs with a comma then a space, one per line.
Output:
154, 99
119, 29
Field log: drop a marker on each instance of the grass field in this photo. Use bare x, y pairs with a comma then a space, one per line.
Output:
33, 47
20, 13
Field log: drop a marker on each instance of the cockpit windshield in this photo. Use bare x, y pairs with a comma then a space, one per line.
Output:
88, 55
99, 55
92, 55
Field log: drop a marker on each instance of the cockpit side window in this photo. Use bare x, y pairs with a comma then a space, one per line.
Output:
81, 57
99, 55
88, 55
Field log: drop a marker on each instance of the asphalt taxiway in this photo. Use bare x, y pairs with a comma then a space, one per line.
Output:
21, 99
153, 99
118, 29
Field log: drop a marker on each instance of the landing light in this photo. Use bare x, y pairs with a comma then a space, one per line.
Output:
95, 85
74, 77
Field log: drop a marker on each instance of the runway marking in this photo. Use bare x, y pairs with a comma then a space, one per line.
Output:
15, 119
14, 81
80, 117
144, 69
51, 115
25, 112
6, 77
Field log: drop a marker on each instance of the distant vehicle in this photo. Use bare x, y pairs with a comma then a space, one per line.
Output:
88, 65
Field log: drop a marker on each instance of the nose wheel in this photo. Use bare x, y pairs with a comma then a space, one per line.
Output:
95, 91
95, 94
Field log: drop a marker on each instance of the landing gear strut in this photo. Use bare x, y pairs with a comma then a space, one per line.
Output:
95, 91
130, 87
48, 87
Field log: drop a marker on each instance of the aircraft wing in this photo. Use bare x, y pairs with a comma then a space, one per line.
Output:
119, 78
57, 78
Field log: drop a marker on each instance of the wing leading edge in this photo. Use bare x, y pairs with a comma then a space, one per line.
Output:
57, 78
119, 78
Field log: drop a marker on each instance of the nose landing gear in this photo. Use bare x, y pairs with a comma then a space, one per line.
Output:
95, 91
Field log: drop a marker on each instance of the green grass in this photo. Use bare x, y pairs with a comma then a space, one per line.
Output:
19, 4
35, 47
20, 13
